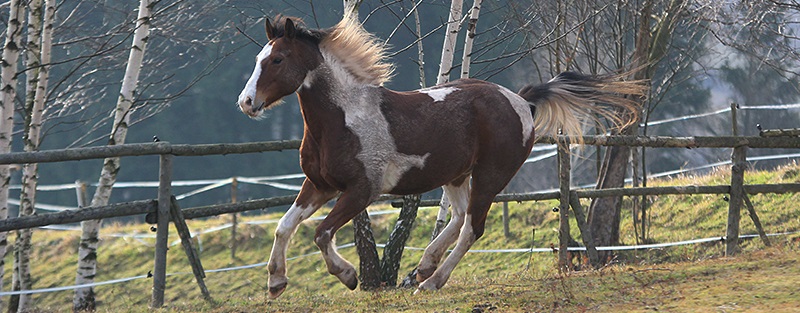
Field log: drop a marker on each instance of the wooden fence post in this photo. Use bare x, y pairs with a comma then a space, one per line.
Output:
234, 222
756, 221
506, 227
586, 231
563, 207
737, 190
162, 232
186, 240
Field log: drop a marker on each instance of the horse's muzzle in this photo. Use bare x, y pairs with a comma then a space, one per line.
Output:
249, 109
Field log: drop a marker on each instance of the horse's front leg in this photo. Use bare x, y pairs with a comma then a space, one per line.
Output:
307, 202
350, 204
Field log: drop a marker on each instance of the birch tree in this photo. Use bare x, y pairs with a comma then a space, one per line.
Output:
472, 27
386, 271
37, 57
449, 44
84, 298
8, 93
445, 67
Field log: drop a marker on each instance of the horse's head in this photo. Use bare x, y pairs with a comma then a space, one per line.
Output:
281, 66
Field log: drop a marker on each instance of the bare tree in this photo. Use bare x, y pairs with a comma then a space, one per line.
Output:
472, 26
39, 43
8, 93
87, 263
445, 68
94, 37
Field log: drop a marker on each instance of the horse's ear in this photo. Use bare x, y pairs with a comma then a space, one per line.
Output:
289, 29
270, 29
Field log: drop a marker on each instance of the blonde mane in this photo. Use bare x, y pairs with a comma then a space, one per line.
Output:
359, 52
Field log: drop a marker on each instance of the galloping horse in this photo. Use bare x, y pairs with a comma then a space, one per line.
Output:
361, 140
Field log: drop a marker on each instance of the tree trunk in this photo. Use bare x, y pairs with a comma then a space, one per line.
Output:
369, 261
87, 251
652, 44
393, 252
604, 213
445, 66
369, 266
38, 54
420, 50
8, 93
471, 33
449, 45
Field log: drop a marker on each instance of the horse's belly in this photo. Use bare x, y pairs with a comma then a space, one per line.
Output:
433, 175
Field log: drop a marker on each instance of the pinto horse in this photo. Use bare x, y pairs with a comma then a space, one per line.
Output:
362, 140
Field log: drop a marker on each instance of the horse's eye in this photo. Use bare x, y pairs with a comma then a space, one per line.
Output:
277, 61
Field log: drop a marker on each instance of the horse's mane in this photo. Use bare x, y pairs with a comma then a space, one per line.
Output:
279, 23
359, 52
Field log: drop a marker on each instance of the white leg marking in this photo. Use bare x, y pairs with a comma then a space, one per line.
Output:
442, 274
283, 234
523, 109
459, 198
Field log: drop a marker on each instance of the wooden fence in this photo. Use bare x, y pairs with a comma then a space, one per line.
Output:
164, 208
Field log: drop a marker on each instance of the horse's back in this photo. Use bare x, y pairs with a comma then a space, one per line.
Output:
456, 123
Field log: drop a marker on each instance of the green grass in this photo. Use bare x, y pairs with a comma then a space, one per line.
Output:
679, 279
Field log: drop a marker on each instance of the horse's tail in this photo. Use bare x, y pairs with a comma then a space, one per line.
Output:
566, 102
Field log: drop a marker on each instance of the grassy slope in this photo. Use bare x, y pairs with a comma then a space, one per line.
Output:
686, 278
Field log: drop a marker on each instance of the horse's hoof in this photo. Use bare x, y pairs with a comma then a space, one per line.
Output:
349, 278
427, 285
424, 273
276, 291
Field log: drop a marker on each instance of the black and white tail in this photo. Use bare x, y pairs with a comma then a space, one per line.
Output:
570, 99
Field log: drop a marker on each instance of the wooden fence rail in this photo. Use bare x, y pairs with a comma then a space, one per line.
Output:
639, 191
158, 211
139, 149
157, 148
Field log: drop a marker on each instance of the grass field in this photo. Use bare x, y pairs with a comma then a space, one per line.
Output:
690, 278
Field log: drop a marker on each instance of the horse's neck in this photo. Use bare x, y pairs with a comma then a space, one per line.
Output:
326, 94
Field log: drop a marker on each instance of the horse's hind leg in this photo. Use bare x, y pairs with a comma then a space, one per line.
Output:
489, 177
308, 201
459, 198
466, 238
350, 204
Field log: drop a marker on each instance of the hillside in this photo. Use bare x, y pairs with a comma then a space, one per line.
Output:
683, 278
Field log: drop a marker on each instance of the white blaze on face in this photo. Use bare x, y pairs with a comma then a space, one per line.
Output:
250, 88
438, 94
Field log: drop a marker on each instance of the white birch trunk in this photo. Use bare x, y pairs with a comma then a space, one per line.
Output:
8, 92
420, 51
472, 25
38, 57
87, 251
445, 66
33, 117
448, 48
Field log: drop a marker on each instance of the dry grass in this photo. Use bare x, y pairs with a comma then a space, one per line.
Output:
695, 278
